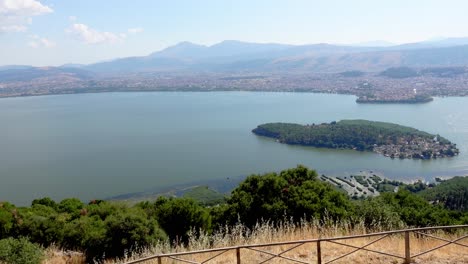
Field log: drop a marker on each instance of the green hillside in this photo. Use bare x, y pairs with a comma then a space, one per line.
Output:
452, 193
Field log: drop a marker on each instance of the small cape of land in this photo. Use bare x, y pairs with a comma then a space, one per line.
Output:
390, 140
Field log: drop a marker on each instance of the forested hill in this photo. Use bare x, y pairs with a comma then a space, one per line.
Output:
388, 139
453, 194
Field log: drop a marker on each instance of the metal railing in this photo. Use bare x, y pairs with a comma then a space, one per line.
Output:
407, 256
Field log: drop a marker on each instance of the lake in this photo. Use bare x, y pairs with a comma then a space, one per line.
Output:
93, 146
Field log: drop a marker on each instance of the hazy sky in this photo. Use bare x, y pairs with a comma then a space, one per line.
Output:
54, 32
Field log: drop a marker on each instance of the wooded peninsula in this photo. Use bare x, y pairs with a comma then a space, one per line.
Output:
388, 139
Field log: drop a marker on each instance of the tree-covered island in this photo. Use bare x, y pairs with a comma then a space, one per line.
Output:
390, 140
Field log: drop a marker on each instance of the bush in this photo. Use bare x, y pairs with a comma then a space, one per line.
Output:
71, 206
179, 216
6, 219
45, 201
414, 211
376, 214
111, 231
20, 251
41, 224
295, 193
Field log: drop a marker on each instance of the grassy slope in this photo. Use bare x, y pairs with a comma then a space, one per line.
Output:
265, 233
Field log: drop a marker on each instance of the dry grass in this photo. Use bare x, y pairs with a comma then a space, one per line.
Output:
57, 256
267, 233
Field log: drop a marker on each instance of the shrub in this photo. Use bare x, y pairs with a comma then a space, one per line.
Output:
20, 251
376, 214
45, 201
111, 231
295, 193
6, 219
179, 216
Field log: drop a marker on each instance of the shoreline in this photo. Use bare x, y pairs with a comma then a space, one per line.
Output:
357, 100
226, 185
403, 101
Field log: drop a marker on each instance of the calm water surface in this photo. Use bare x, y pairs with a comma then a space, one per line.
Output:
100, 145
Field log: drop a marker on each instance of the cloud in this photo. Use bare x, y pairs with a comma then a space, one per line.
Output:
15, 15
72, 18
135, 30
47, 43
33, 44
38, 42
12, 28
91, 36
23, 8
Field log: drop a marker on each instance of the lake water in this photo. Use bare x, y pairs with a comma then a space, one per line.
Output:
100, 145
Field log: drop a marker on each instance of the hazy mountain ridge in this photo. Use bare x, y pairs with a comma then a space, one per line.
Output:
243, 56
237, 57
226, 56
31, 73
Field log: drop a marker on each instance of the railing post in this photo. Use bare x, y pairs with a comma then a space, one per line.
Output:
159, 260
407, 248
238, 255
319, 253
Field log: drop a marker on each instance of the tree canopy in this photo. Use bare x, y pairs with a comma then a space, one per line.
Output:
105, 229
452, 194
361, 135
296, 193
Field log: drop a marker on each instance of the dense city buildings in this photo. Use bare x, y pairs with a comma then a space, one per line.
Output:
369, 87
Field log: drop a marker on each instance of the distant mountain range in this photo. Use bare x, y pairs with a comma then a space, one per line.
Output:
236, 56
25, 74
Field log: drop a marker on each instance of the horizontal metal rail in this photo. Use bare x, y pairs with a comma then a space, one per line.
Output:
297, 243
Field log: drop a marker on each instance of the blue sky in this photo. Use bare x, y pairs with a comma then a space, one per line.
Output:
54, 32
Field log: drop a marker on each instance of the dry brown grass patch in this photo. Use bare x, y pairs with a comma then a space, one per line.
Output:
267, 233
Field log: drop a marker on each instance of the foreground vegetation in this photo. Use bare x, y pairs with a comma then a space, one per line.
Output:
289, 231
108, 230
389, 139
265, 232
